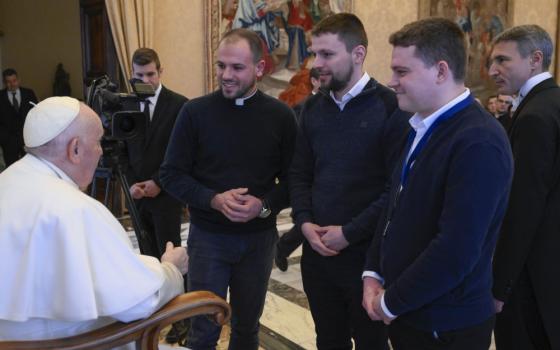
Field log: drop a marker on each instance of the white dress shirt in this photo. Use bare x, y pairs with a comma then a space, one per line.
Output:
528, 86
353, 92
153, 101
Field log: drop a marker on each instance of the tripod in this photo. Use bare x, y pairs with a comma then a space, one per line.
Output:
113, 169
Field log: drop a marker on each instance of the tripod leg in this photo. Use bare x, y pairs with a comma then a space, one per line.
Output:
145, 241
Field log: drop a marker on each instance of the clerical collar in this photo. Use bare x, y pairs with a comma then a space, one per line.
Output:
241, 100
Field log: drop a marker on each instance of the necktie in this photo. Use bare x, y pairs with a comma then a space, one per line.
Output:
15, 102
147, 110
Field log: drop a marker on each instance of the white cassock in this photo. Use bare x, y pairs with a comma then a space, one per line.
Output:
66, 264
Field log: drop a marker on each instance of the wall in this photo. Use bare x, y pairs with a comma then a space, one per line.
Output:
541, 12
179, 41
381, 18
37, 36
50, 31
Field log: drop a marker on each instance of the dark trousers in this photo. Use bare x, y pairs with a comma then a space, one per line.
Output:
241, 262
520, 326
161, 224
289, 241
12, 150
334, 290
405, 337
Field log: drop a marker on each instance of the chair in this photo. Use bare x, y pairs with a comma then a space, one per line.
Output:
145, 333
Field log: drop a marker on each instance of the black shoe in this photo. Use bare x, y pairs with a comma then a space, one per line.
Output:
281, 261
178, 332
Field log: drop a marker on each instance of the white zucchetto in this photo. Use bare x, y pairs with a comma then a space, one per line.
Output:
48, 119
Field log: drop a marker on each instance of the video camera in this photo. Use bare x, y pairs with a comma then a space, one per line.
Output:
119, 112
122, 121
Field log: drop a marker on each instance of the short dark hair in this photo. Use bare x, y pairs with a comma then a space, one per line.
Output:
144, 56
251, 37
435, 39
8, 72
529, 38
347, 26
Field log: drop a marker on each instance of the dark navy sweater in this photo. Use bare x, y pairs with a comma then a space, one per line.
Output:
343, 161
217, 145
435, 254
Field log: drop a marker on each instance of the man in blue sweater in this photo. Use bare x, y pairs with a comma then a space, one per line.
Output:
345, 150
228, 159
429, 272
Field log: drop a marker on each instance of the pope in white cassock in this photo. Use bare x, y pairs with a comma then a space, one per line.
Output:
66, 264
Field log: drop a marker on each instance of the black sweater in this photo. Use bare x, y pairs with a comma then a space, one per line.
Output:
343, 161
217, 145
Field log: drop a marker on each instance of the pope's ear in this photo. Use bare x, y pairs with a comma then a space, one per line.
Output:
73, 150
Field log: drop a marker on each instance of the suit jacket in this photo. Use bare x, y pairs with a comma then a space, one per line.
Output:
435, 246
530, 235
11, 122
146, 153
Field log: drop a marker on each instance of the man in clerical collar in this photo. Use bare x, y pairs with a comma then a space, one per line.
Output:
428, 273
228, 160
526, 260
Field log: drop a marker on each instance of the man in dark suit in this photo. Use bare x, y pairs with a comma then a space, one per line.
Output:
14, 105
428, 272
526, 266
160, 213
503, 107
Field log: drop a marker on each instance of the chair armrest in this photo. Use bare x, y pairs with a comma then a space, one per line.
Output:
144, 332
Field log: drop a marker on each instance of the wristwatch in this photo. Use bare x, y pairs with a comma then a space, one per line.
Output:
265, 210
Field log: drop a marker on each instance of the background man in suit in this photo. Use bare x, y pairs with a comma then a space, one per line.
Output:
503, 107
349, 134
491, 105
160, 213
14, 105
429, 267
526, 267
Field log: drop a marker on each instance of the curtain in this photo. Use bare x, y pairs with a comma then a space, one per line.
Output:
132, 23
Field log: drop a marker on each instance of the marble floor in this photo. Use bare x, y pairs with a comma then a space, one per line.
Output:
286, 323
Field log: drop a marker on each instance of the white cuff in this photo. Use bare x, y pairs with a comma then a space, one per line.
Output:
385, 308
373, 274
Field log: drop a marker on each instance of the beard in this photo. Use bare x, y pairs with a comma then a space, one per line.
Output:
340, 80
237, 91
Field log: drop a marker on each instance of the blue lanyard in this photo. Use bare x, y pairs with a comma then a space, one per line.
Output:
446, 115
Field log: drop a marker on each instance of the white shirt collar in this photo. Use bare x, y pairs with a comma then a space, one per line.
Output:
421, 125
418, 123
241, 100
532, 82
10, 94
353, 92
153, 99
